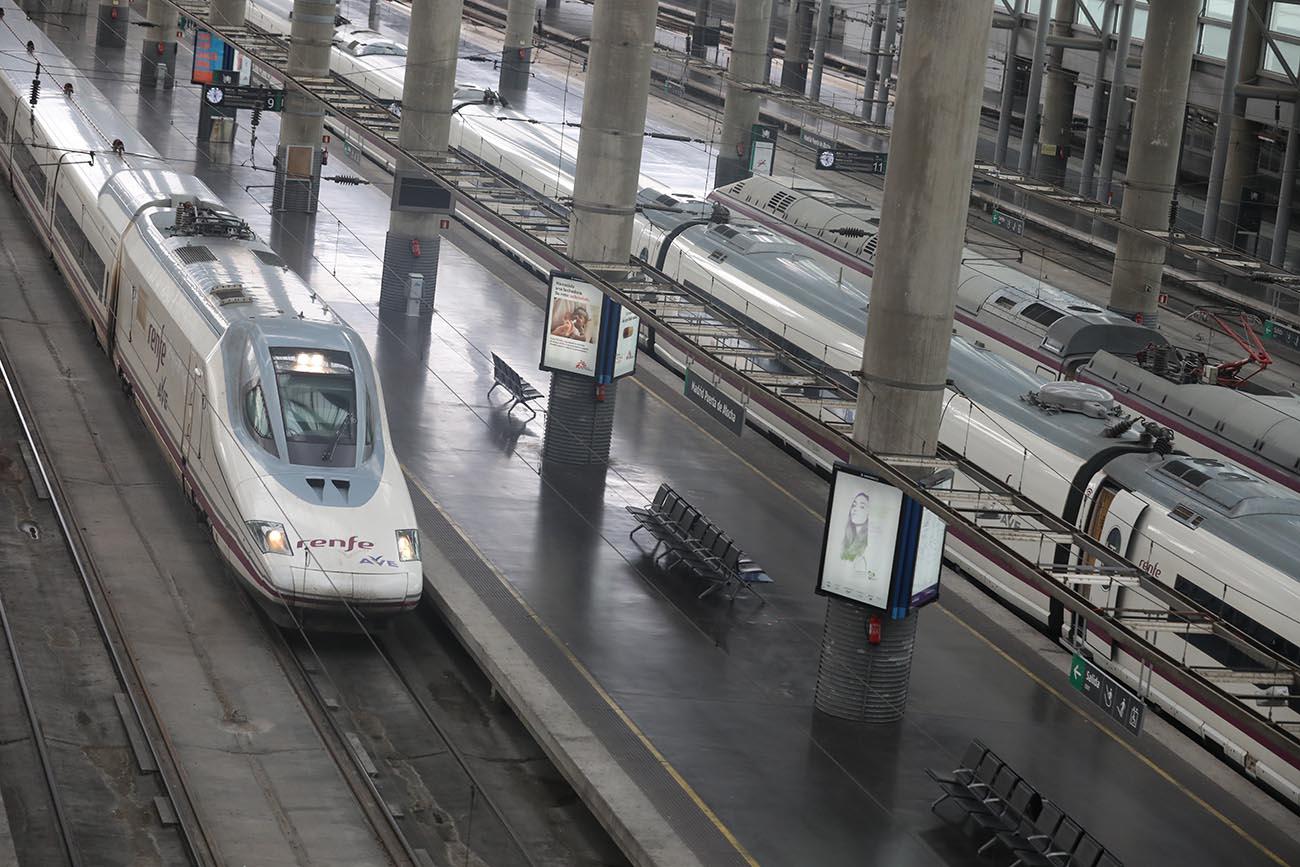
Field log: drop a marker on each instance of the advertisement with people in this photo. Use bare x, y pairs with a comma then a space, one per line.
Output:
861, 532
572, 326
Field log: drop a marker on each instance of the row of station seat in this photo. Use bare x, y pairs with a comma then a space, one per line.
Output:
690, 539
1010, 812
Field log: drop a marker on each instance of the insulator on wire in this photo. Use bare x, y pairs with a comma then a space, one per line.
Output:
36, 92
257, 116
347, 180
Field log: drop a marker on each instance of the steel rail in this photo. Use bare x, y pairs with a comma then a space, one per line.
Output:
201, 847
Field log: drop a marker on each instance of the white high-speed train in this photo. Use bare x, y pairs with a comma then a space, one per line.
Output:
1041, 328
265, 403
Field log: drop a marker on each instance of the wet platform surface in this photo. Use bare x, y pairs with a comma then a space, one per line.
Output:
722, 690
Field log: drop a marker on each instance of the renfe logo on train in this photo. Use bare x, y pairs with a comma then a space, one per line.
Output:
347, 544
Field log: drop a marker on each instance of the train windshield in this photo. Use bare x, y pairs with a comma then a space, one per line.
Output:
318, 396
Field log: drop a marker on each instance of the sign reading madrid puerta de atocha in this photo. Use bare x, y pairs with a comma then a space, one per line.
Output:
712, 400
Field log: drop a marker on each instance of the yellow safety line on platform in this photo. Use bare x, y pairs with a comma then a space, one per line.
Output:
1197, 799
1209, 808
590, 678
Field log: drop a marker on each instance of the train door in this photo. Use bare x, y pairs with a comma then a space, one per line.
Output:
1114, 522
192, 414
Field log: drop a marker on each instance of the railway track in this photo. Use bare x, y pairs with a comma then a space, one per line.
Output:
447, 770
111, 788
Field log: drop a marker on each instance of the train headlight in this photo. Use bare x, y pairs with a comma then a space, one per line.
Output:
271, 537
408, 545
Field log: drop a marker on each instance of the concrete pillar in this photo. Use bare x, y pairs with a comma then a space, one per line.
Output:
1242, 164
794, 69
873, 60
1054, 134
1282, 222
702, 11
1153, 156
224, 15
821, 35
580, 420
114, 16
887, 62
413, 242
1115, 106
905, 356
302, 125
158, 50
1029, 132
1210, 225
1006, 106
750, 37
517, 52
1240, 168
1096, 119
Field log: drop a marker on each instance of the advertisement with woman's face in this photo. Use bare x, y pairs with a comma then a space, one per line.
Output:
861, 533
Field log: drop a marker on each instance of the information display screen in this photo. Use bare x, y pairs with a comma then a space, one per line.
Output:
929, 557
629, 328
861, 534
573, 311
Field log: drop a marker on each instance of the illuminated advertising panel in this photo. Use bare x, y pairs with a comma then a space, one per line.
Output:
573, 311
861, 534
880, 548
629, 328
930, 542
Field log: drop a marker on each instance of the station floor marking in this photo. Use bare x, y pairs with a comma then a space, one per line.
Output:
590, 678
1197, 799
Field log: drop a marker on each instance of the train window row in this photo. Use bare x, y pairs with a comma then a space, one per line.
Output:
83, 252
1219, 648
31, 169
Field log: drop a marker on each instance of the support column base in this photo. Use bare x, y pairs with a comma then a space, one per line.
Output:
516, 70
297, 178
112, 28
579, 428
400, 262
860, 681
155, 67
729, 170
1149, 318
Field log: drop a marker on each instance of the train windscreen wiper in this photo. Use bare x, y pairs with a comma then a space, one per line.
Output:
329, 452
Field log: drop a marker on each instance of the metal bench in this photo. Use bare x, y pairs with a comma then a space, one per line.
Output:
687, 538
521, 392
993, 799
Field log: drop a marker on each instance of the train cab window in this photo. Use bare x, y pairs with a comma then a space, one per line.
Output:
4, 121
318, 398
368, 447
259, 418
